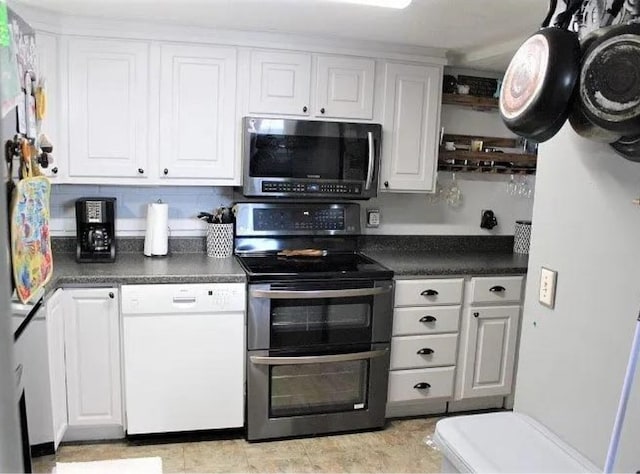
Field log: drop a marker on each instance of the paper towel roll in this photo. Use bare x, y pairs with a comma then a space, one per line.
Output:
157, 233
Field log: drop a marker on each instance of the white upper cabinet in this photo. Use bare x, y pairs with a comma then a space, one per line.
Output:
411, 120
280, 83
108, 82
197, 113
344, 87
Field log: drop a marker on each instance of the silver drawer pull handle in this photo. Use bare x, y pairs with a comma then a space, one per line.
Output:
425, 351
305, 294
266, 360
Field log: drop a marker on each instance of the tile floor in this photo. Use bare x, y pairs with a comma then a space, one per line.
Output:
399, 447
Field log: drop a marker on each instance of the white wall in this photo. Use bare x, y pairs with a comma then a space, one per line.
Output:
184, 205
573, 358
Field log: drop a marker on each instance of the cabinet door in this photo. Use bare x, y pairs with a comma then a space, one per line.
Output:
197, 112
344, 87
489, 351
411, 119
48, 60
57, 371
108, 108
92, 341
280, 83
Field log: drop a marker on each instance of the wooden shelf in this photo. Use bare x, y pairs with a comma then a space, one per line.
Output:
474, 102
486, 141
478, 161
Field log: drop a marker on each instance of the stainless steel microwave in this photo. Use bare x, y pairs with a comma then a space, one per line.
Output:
310, 159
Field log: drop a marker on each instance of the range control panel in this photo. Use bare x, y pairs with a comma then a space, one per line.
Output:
353, 188
298, 219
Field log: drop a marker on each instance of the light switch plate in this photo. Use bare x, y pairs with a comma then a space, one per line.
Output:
373, 217
547, 295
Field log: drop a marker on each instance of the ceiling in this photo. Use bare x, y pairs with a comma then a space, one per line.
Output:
478, 33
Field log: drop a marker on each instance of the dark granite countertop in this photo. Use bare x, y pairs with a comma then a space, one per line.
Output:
135, 268
411, 263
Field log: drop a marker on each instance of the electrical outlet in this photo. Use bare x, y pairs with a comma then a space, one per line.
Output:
547, 294
373, 217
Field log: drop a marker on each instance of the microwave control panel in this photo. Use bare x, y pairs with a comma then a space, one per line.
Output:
311, 188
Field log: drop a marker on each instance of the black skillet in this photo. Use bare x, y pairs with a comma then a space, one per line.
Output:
610, 78
579, 121
538, 86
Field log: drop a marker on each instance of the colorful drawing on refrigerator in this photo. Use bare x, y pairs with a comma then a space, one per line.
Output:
30, 238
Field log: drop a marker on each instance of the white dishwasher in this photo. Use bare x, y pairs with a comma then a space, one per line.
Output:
183, 356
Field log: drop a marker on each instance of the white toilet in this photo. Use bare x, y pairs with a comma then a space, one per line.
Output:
504, 442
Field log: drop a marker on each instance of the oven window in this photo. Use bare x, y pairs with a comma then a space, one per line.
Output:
318, 388
305, 322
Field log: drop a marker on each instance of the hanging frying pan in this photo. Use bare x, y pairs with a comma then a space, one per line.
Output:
577, 118
628, 147
540, 80
610, 79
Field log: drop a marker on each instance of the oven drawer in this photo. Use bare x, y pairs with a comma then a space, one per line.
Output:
421, 320
420, 384
412, 352
429, 292
496, 289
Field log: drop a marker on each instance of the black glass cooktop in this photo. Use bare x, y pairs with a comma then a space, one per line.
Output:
348, 266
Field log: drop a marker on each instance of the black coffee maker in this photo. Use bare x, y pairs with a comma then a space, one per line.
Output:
95, 229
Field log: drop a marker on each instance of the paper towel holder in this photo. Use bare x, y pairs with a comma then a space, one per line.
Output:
156, 240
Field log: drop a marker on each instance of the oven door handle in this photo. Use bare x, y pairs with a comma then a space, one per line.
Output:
367, 184
325, 359
304, 295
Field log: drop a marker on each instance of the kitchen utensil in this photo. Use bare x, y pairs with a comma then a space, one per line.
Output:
540, 80
30, 239
219, 240
610, 78
577, 118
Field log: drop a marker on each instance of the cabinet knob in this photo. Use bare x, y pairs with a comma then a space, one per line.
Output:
475, 315
422, 386
140, 170
429, 293
386, 184
54, 170
497, 289
428, 319
425, 351
304, 109
166, 171
322, 110
111, 295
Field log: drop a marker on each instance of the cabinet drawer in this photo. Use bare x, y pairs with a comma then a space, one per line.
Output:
428, 292
439, 349
496, 289
404, 385
421, 320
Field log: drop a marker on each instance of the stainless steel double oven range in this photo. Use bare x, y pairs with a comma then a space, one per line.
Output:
319, 320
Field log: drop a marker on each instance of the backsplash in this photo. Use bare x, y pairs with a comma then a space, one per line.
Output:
402, 214
184, 205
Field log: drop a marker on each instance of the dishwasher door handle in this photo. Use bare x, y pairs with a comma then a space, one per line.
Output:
184, 300
307, 294
324, 359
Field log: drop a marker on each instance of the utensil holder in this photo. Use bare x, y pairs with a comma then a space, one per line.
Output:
219, 240
522, 237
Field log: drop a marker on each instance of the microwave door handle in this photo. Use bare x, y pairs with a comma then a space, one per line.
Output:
303, 295
324, 359
367, 184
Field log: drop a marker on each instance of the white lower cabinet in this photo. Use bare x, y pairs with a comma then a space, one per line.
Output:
92, 348
57, 371
441, 362
489, 351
